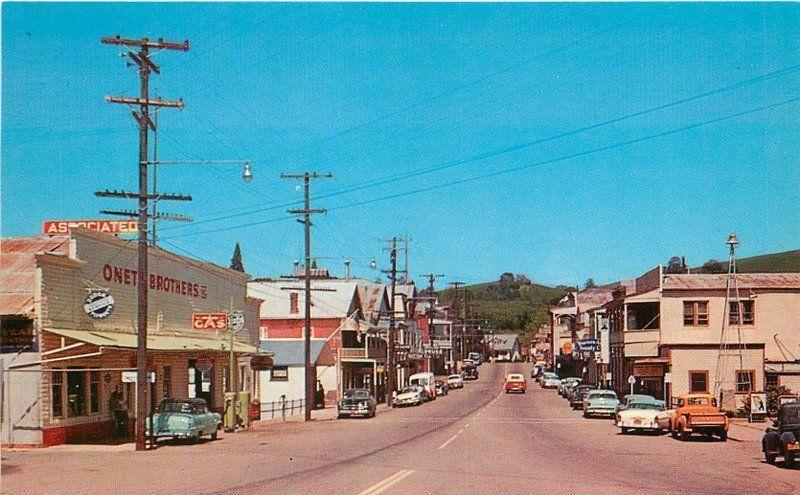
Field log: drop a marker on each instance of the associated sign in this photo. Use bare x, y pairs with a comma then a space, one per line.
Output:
113, 227
209, 321
99, 304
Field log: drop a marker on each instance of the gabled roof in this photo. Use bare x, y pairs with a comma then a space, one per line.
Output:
708, 281
18, 269
502, 341
329, 299
292, 352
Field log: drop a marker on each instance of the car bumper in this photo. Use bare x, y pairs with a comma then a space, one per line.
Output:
354, 412
174, 433
515, 389
407, 402
599, 411
641, 425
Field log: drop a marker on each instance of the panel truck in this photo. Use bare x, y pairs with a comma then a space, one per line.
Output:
698, 413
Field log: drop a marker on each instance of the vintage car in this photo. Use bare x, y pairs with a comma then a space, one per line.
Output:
442, 388
476, 358
566, 383
623, 403
184, 419
470, 372
698, 413
357, 402
550, 380
455, 381
645, 415
409, 396
781, 439
578, 395
515, 382
600, 403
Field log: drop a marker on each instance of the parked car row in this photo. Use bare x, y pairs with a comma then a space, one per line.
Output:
421, 388
690, 414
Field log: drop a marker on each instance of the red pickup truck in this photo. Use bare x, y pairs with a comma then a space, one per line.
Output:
698, 413
515, 382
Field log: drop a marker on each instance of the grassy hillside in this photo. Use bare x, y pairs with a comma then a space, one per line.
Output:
788, 261
516, 305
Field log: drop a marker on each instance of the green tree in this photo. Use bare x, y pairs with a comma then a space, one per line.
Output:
713, 266
236, 261
589, 284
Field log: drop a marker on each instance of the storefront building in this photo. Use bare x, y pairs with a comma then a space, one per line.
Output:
69, 307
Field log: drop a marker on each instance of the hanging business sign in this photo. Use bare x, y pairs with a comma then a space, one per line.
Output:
210, 321
99, 304
261, 363
236, 321
113, 227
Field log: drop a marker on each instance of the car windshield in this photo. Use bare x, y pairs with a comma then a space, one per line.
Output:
550, 375
176, 407
603, 395
645, 406
356, 394
453, 377
697, 401
408, 390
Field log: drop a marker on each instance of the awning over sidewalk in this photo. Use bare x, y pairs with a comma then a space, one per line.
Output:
154, 342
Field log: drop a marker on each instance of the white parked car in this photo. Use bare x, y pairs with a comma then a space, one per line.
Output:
409, 396
646, 415
426, 381
503, 357
550, 380
455, 381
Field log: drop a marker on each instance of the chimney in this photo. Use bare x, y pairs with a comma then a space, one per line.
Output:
296, 270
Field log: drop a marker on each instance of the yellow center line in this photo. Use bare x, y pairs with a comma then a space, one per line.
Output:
448, 441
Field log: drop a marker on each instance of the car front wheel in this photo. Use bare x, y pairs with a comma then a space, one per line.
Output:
770, 458
214, 435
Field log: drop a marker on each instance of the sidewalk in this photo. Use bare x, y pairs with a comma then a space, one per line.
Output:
743, 431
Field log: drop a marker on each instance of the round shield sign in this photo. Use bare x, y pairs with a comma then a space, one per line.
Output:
236, 321
99, 304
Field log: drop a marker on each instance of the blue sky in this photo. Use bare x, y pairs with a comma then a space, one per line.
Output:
370, 92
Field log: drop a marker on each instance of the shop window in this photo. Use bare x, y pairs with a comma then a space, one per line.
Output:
94, 391
279, 374
748, 312
294, 308
76, 393
695, 313
698, 381
166, 383
56, 391
773, 380
745, 380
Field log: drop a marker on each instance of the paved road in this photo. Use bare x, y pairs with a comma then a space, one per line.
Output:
476, 440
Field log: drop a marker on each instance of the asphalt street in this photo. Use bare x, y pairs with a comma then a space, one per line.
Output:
476, 440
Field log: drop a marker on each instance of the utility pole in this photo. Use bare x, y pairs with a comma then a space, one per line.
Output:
391, 371
456, 285
145, 65
311, 380
431, 310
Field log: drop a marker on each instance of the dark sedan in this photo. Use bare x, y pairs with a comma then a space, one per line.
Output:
357, 402
578, 394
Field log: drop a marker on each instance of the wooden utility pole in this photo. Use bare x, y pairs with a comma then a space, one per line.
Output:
431, 309
456, 285
145, 65
392, 272
311, 380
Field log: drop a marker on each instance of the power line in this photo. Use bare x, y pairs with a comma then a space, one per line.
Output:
489, 154
571, 156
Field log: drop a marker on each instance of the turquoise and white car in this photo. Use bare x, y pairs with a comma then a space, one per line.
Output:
644, 415
185, 419
600, 403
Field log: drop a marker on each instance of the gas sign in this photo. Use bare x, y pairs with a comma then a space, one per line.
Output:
209, 321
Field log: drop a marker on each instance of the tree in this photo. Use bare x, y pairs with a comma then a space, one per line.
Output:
507, 279
713, 266
675, 265
589, 284
236, 261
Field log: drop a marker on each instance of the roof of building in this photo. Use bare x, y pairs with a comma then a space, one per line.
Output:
154, 341
292, 352
707, 281
329, 299
18, 269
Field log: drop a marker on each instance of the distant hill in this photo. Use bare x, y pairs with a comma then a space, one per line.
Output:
788, 261
512, 303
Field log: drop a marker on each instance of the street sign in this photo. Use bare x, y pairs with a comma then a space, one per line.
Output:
209, 321
236, 321
261, 363
99, 304
130, 377
631, 379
